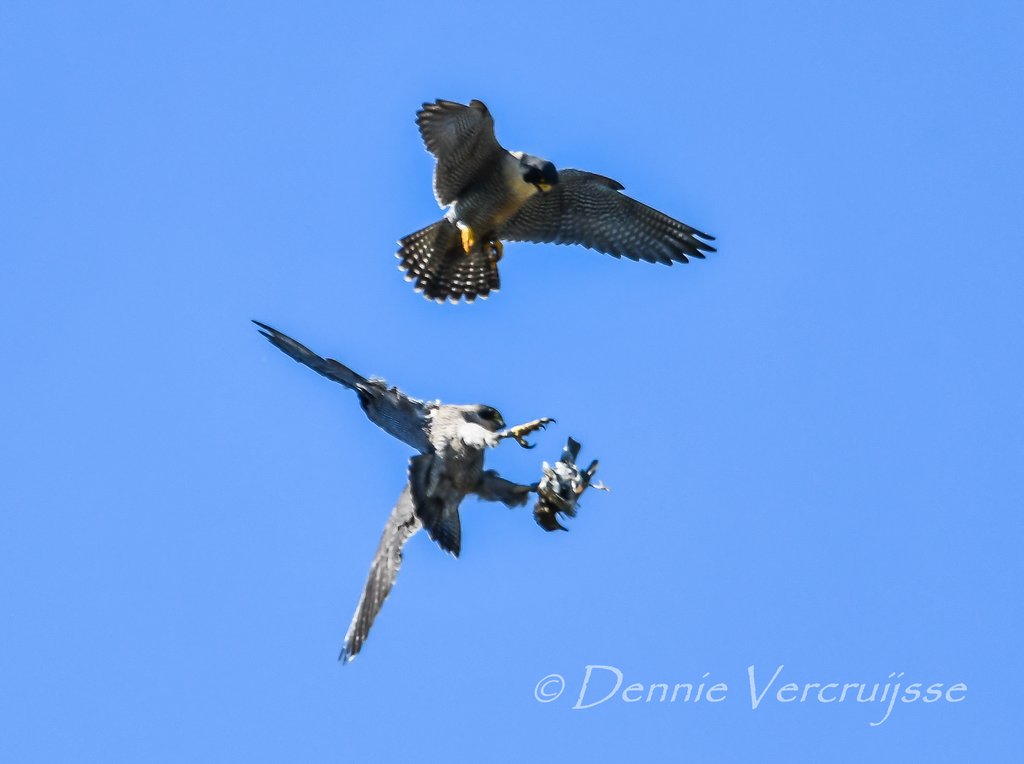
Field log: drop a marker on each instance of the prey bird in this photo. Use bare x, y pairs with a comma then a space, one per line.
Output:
450, 439
493, 194
559, 490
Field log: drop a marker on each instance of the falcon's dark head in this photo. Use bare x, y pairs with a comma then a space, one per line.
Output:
488, 418
538, 172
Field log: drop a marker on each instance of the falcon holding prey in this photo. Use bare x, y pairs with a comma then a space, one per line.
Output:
451, 441
493, 194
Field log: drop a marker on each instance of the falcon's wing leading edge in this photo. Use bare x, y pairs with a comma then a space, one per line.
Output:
401, 526
588, 209
462, 140
327, 367
387, 407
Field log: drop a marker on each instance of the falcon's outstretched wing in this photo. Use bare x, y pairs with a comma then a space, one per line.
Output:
462, 139
402, 524
387, 407
588, 209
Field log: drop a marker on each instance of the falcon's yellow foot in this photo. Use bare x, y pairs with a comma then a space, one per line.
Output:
520, 431
468, 240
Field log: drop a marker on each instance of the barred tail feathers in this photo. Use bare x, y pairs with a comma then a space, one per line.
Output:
434, 259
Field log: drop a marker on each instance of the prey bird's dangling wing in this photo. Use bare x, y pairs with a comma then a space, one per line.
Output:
401, 526
387, 407
588, 209
462, 139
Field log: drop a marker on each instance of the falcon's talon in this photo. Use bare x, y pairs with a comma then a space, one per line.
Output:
468, 240
496, 250
520, 431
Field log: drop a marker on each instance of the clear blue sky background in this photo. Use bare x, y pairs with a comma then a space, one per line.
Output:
814, 437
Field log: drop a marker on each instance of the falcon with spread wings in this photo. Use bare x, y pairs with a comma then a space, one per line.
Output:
450, 439
493, 194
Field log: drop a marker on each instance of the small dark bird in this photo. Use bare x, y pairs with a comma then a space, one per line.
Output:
493, 194
559, 491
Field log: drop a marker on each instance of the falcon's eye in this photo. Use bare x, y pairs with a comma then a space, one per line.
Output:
488, 414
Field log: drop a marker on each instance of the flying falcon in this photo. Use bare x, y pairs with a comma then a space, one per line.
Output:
451, 441
493, 194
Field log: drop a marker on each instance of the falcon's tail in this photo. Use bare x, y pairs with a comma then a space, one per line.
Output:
434, 258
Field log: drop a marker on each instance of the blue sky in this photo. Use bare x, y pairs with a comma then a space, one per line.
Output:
813, 437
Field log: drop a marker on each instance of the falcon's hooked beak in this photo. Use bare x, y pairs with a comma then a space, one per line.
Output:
540, 173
